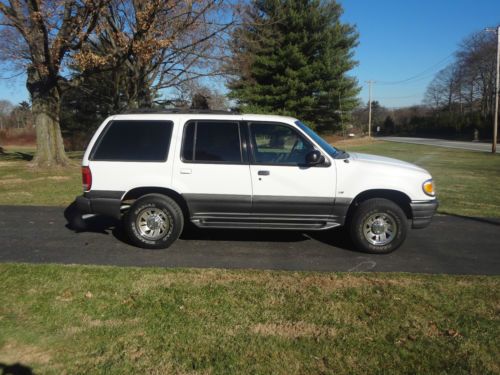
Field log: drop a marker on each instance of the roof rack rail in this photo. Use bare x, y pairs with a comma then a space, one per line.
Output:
180, 111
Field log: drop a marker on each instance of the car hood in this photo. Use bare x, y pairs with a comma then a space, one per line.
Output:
368, 158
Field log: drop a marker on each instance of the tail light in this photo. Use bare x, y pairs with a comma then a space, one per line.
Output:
86, 178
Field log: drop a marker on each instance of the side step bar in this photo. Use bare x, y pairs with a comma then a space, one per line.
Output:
263, 222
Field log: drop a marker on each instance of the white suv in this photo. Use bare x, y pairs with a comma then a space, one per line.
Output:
222, 170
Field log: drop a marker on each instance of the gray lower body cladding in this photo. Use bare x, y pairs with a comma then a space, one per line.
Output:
102, 202
265, 212
422, 213
238, 211
261, 212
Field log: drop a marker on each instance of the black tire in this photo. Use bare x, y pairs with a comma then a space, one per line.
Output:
154, 221
378, 226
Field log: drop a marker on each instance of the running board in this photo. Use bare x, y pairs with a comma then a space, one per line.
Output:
265, 222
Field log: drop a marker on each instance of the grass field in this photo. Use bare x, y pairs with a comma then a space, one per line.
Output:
468, 183
85, 320
22, 184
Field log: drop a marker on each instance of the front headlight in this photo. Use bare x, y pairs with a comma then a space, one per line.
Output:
428, 188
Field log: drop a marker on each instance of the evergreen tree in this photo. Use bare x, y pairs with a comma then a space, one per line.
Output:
292, 57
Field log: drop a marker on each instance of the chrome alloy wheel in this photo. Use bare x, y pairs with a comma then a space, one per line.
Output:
152, 223
379, 229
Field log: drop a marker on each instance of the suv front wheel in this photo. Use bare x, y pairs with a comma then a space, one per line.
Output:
154, 221
378, 226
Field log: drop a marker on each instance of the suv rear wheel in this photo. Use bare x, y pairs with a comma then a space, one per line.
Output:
378, 226
154, 221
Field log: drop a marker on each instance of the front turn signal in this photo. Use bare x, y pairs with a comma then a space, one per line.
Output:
428, 188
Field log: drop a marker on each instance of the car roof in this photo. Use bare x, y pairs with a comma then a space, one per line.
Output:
205, 116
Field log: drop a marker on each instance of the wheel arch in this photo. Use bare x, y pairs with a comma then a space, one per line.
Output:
398, 197
138, 192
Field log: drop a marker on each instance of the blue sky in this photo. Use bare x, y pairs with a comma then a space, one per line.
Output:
399, 39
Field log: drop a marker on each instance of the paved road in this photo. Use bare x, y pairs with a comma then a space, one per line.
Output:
473, 146
451, 245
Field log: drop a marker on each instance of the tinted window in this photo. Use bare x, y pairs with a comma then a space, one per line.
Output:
212, 141
278, 144
134, 141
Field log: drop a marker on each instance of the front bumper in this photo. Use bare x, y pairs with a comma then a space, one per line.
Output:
422, 213
100, 202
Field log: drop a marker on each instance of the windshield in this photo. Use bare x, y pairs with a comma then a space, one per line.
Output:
332, 151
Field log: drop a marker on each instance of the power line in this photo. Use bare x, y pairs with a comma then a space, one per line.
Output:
423, 74
399, 97
14, 76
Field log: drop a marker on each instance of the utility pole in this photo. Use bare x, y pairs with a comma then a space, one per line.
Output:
497, 89
370, 107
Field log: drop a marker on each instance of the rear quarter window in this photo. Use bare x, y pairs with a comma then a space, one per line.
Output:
134, 140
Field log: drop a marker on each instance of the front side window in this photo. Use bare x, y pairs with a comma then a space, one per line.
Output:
212, 141
278, 144
134, 140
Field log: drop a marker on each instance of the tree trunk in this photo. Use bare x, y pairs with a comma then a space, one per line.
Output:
46, 107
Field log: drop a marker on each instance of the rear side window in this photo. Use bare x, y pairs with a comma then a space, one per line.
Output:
124, 140
212, 142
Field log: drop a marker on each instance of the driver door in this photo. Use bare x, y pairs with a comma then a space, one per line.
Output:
282, 183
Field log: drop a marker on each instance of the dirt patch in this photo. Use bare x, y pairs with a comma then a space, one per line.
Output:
16, 352
9, 181
271, 281
58, 178
17, 194
292, 330
11, 163
208, 277
88, 323
50, 178
12, 181
349, 142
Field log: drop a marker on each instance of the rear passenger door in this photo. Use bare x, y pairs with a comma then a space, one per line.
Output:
212, 172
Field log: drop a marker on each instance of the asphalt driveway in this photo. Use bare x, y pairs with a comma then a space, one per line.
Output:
452, 245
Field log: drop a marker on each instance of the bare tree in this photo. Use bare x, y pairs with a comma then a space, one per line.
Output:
6, 108
476, 59
445, 89
469, 82
46, 32
158, 45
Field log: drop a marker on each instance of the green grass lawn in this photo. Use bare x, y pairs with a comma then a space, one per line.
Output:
23, 184
84, 320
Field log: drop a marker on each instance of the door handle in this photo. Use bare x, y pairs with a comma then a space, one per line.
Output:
263, 173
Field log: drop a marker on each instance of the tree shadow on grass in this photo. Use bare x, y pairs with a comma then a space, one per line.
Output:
15, 369
16, 156
108, 225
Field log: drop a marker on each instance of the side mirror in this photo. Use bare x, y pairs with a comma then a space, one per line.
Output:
314, 158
